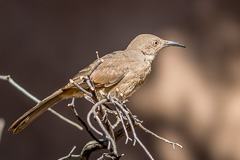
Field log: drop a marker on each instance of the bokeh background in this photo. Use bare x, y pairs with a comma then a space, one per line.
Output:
192, 96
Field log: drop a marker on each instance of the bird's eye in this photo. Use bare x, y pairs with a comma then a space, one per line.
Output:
155, 43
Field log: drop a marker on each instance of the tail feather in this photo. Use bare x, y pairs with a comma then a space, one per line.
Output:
36, 111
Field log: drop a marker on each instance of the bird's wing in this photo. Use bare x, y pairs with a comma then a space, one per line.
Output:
107, 74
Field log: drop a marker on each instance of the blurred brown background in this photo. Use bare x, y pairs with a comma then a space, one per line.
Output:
192, 96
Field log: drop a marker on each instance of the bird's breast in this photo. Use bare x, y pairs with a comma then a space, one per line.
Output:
132, 81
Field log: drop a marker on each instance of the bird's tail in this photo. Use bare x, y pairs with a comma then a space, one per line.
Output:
36, 111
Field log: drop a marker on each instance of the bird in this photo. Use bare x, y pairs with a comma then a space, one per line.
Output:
123, 71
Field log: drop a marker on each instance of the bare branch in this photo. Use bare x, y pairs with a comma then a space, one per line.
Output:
2, 124
91, 147
157, 136
108, 136
65, 119
144, 148
70, 155
17, 86
97, 54
96, 65
124, 128
92, 111
117, 103
21, 89
80, 88
72, 105
109, 156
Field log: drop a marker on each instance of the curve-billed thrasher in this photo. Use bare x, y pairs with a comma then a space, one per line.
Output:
123, 70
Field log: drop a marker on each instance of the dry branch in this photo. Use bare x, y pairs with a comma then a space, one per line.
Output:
22, 90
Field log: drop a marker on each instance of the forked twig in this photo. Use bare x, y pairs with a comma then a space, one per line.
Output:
124, 127
70, 155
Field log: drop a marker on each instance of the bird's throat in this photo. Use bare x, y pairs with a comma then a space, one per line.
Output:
149, 58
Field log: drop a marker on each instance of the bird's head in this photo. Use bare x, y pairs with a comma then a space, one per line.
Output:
150, 44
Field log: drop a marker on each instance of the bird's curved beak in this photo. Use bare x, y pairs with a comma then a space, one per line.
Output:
172, 43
